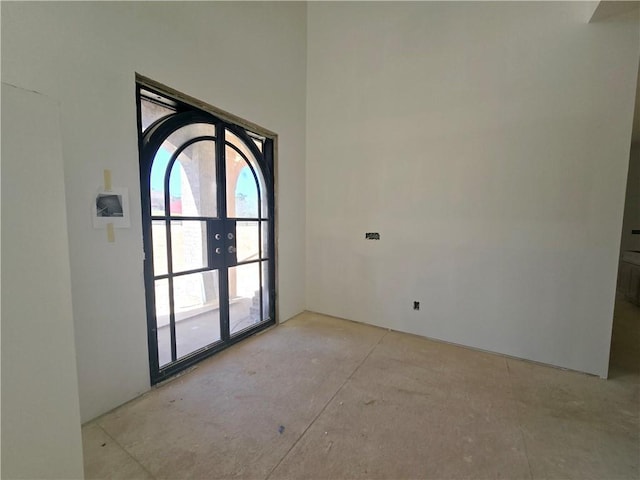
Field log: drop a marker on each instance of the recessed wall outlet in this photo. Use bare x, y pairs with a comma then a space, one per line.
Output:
416, 305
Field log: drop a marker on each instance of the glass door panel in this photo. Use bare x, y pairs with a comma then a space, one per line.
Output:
266, 305
193, 181
247, 241
159, 235
244, 297
162, 321
188, 245
242, 187
246, 188
197, 311
264, 239
156, 181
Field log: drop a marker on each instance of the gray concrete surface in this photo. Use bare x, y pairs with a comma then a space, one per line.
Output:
319, 397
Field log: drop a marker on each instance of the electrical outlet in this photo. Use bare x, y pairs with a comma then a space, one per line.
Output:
416, 305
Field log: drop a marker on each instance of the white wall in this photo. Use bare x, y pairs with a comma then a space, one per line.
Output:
631, 220
40, 411
248, 59
488, 144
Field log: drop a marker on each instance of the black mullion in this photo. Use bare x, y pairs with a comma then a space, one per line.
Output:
172, 321
172, 315
261, 288
270, 185
145, 174
183, 273
167, 222
179, 219
248, 262
223, 272
260, 246
223, 288
245, 219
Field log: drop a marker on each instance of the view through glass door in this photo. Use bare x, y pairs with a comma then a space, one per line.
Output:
207, 204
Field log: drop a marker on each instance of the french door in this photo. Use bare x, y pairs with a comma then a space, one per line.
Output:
207, 191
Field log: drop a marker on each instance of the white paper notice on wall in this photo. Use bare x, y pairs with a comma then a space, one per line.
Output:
111, 206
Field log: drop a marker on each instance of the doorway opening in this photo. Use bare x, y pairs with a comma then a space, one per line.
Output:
207, 194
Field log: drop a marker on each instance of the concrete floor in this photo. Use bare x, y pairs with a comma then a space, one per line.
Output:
324, 398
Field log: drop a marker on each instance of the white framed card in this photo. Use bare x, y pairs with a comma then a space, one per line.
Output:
111, 206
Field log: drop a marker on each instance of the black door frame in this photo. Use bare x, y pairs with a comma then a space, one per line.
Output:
188, 111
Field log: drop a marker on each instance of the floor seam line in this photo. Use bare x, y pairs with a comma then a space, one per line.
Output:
515, 406
326, 405
125, 450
